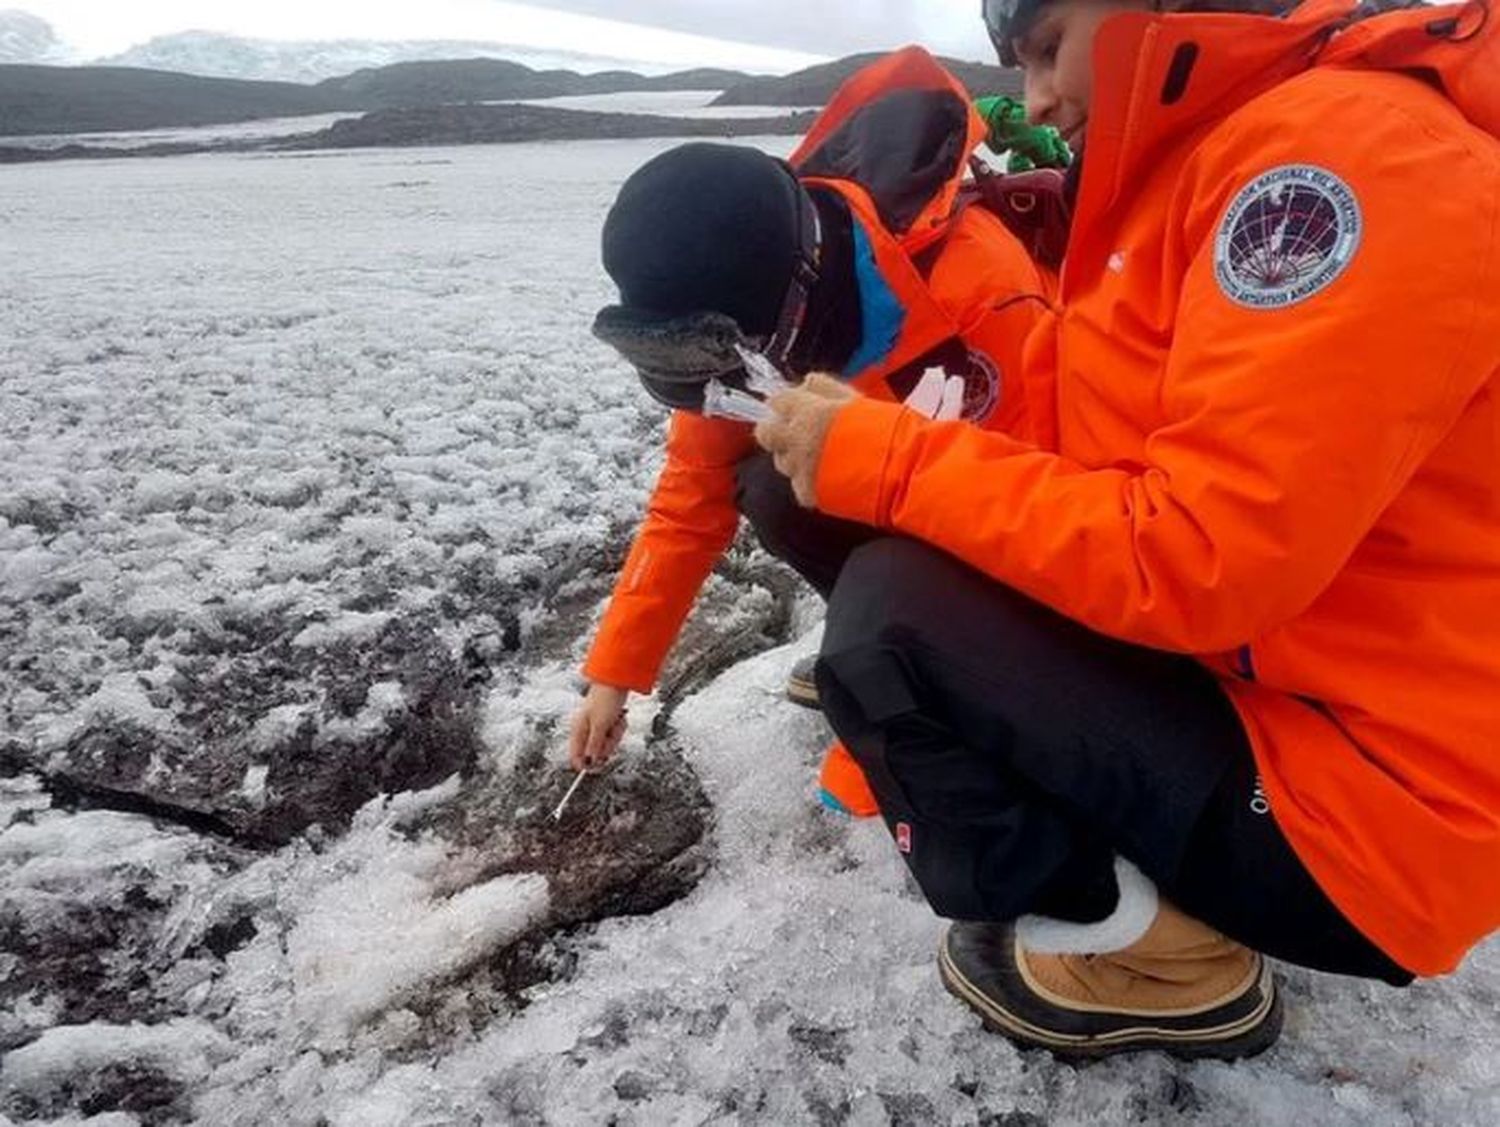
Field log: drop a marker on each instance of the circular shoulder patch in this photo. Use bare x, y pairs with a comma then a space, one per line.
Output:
1287, 236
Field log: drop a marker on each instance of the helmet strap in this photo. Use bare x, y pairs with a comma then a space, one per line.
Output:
806, 273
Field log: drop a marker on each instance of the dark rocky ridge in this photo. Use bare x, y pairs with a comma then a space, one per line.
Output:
816, 86
37, 100
449, 125
217, 55
477, 80
40, 99
477, 125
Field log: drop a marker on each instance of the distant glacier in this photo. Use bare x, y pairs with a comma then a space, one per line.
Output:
225, 56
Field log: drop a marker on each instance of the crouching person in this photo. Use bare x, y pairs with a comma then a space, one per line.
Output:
857, 257
1209, 676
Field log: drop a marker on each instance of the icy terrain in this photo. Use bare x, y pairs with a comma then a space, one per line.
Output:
27, 40
666, 103
301, 456
670, 103
261, 130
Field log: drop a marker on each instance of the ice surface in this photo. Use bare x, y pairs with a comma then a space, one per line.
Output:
668, 103
262, 129
247, 396
377, 936
183, 1050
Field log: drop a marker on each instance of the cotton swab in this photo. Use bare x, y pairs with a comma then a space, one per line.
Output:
567, 798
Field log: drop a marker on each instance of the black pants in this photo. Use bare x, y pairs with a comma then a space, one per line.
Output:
1015, 752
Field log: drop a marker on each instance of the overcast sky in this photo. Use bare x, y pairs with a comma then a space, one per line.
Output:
827, 27
770, 34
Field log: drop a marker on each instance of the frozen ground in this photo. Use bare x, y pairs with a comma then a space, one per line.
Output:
671, 103
260, 130
308, 397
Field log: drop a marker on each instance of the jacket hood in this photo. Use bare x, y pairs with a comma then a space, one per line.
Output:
1457, 46
894, 144
902, 130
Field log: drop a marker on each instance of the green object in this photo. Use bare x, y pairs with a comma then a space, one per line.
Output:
1029, 146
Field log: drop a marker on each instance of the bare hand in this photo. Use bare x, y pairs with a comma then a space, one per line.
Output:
598, 727
797, 433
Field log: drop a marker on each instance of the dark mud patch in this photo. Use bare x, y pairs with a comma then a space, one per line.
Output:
298, 733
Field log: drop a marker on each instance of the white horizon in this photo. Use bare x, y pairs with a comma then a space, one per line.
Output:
95, 30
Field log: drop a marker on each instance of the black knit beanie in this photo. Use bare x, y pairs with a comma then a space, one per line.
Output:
706, 228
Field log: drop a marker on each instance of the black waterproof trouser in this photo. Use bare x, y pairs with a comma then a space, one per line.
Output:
1015, 752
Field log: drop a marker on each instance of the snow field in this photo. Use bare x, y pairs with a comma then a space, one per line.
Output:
304, 395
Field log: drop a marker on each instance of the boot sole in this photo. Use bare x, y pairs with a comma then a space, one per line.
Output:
1252, 1034
804, 694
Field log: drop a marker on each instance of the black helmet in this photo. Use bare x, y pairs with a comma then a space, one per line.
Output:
711, 246
1006, 21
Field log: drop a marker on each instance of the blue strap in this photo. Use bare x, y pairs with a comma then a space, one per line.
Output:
882, 316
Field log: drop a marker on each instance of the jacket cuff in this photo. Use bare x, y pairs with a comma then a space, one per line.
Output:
852, 470
596, 670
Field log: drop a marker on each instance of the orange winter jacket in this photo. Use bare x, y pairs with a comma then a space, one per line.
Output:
1273, 433
941, 285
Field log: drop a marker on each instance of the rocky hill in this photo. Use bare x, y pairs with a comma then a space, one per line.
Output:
445, 125
816, 85
213, 55
39, 99
414, 84
36, 100
488, 125
43, 99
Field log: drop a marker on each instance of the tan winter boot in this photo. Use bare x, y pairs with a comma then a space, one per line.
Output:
1181, 988
802, 685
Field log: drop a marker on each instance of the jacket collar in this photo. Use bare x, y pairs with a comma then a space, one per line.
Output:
901, 319
1162, 77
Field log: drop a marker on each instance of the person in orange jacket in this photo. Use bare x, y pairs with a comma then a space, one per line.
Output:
860, 256
1206, 669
